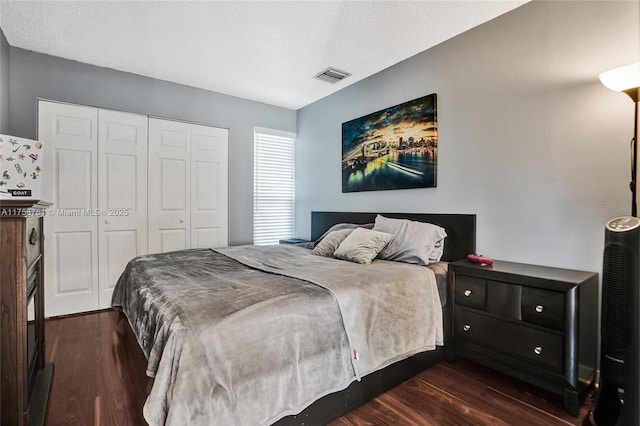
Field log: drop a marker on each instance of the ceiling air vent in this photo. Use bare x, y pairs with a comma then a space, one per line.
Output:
332, 75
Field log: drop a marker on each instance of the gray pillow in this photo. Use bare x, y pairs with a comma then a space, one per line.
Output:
330, 243
413, 242
362, 245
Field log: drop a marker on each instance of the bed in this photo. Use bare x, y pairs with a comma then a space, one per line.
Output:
286, 336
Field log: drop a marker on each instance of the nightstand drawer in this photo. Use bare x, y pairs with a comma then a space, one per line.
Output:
543, 307
537, 347
470, 291
32, 239
293, 241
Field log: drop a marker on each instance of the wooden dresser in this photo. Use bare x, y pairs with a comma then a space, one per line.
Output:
536, 323
25, 377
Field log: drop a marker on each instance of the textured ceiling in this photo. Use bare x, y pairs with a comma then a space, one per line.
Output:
266, 51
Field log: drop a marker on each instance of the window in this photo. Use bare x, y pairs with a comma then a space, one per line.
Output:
273, 185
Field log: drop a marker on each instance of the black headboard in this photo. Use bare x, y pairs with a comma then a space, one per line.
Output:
461, 228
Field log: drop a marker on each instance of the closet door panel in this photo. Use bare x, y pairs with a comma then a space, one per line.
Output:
173, 185
206, 237
73, 191
204, 174
73, 269
122, 190
169, 185
119, 247
70, 170
209, 186
172, 239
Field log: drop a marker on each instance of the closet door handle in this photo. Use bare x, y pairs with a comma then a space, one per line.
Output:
181, 220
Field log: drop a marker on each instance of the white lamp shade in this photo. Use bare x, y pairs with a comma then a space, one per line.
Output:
622, 78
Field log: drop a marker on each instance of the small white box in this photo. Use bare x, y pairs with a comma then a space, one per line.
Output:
20, 167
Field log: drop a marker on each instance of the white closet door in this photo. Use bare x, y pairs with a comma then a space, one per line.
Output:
70, 176
169, 185
209, 186
122, 195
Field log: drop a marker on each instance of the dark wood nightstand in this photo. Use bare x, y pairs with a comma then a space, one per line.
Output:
293, 241
536, 323
26, 377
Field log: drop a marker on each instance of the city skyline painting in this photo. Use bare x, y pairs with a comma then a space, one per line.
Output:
395, 148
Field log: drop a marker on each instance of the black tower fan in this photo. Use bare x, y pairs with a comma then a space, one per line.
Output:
617, 399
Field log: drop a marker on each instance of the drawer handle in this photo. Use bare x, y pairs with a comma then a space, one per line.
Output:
537, 350
33, 237
466, 327
467, 293
539, 308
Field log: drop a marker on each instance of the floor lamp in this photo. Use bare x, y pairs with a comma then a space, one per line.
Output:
627, 79
617, 400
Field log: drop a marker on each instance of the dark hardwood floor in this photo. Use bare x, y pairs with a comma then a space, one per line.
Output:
464, 393
94, 384
93, 380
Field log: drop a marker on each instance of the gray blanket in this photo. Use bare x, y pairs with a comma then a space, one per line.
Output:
231, 345
390, 310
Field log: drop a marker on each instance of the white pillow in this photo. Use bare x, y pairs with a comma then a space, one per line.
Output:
413, 242
436, 253
330, 242
362, 245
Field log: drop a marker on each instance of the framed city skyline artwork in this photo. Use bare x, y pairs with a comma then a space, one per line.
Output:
395, 148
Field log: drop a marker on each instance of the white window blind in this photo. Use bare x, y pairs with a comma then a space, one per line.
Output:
273, 185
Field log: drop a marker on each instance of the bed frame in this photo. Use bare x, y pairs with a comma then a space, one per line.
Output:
461, 240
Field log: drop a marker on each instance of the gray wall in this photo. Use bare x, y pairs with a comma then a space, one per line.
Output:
529, 139
4, 84
34, 76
